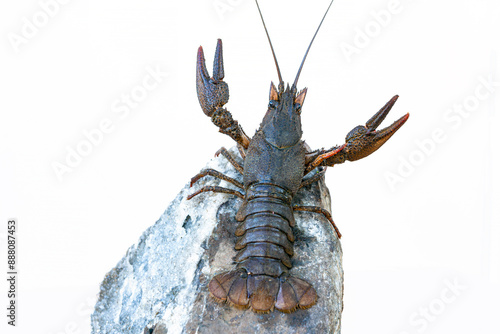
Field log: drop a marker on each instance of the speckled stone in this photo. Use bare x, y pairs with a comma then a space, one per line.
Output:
160, 285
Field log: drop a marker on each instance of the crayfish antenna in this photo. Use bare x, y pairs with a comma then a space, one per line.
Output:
280, 85
294, 86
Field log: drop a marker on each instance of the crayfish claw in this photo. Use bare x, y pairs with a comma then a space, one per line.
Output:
360, 142
212, 92
364, 140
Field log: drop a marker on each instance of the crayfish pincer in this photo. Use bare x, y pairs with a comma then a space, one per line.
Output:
276, 161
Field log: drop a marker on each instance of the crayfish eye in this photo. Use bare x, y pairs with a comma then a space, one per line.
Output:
298, 107
273, 104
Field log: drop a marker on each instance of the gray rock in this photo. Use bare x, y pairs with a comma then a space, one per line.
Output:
160, 285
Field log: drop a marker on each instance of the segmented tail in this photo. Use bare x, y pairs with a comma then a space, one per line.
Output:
262, 293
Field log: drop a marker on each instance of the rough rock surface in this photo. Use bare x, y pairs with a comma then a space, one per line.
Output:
160, 285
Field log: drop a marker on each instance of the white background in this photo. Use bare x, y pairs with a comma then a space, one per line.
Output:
404, 244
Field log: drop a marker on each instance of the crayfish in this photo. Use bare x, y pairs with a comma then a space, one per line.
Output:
276, 161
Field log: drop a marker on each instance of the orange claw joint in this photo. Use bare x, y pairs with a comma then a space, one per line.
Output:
212, 91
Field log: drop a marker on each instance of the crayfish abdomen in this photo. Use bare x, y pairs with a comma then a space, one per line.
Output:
261, 280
